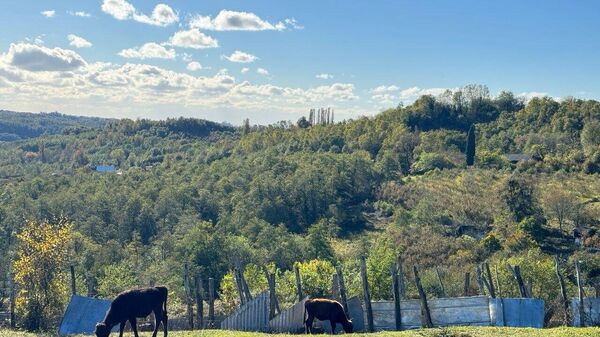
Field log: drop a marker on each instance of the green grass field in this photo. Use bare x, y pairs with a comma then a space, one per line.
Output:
449, 332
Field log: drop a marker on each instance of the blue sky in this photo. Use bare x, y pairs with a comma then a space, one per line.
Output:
116, 58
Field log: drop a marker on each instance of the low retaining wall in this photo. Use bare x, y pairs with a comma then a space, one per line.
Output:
477, 310
591, 311
456, 311
517, 312
444, 312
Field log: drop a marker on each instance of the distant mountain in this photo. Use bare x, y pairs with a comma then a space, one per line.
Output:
24, 125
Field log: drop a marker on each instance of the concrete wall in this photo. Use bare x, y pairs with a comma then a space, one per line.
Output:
517, 312
591, 309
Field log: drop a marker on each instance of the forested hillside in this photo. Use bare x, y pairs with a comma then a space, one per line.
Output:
21, 125
196, 192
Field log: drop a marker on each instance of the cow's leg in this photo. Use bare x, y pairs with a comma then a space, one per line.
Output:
332, 326
121, 328
157, 320
133, 323
309, 323
165, 322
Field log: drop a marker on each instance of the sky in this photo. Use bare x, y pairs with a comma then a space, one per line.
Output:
268, 61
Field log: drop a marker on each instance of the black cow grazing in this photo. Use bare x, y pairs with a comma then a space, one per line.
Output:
326, 310
132, 304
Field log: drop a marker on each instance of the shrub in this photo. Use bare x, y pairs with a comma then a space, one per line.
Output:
430, 161
40, 271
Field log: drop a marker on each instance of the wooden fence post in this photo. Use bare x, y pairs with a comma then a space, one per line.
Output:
335, 287
516, 272
401, 284
13, 295
298, 283
396, 292
490, 280
467, 284
480, 282
425, 314
342, 286
497, 281
439, 277
484, 280
367, 296
581, 296
563, 290
188, 295
271, 297
529, 287
211, 303
239, 286
275, 299
199, 302
273, 302
245, 287
91, 284
73, 284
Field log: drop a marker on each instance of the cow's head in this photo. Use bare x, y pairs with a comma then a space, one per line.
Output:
102, 330
348, 326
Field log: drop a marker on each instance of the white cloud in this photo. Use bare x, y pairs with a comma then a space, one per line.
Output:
232, 20
78, 41
387, 95
39, 40
194, 66
336, 91
241, 57
244, 70
33, 57
119, 9
79, 13
324, 76
382, 89
293, 23
49, 13
147, 51
162, 15
411, 94
42, 79
262, 71
532, 94
186, 57
193, 38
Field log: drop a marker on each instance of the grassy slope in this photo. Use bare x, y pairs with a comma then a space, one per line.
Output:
450, 332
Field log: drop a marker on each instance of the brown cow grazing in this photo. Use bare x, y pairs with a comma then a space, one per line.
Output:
326, 310
132, 304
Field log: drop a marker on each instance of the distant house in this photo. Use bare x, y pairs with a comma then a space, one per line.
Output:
105, 168
517, 157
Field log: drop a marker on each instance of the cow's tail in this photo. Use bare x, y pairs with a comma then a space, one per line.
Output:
165, 295
304, 315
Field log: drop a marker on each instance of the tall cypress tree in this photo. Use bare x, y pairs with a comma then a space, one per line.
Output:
470, 149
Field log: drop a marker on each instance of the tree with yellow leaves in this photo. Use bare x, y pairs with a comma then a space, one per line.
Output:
42, 256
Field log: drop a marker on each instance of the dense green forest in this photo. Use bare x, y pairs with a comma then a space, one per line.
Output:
396, 184
22, 125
